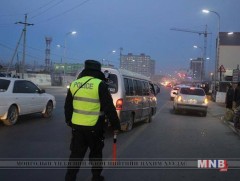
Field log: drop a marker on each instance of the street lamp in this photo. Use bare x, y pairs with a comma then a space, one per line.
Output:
65, 41
64, 53
112, 52
218, 41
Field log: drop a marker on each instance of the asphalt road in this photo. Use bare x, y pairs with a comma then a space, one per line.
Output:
168, 136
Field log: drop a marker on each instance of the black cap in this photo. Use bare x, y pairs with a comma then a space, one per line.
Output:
92, 65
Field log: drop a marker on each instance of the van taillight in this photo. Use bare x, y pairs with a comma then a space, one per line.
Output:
119, 104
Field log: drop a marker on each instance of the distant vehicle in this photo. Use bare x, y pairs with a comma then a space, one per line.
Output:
4, 74
20, 97
190, 99
174, 91
169, 84
133, 95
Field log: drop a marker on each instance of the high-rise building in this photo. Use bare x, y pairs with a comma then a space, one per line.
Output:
142, 64
196, 67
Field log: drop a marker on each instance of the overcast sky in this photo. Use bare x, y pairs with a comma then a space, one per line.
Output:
138, 26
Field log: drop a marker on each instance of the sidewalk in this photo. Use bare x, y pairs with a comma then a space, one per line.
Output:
218, 110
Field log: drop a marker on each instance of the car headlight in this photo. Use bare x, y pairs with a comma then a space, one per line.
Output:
205, 101
179, 99
68, 86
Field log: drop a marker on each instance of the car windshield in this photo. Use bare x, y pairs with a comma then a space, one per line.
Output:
4, 85
192, 91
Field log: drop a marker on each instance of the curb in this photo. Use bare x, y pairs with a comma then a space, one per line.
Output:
220, 116
230, 125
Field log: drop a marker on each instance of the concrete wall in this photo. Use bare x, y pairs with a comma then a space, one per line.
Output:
229, 56
39, 79
220, 97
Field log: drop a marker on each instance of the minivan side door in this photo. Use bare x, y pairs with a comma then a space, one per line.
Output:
146, 109
138, 99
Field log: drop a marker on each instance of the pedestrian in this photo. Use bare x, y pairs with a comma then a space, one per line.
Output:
237, 95
88, 101
206, 88
229, 97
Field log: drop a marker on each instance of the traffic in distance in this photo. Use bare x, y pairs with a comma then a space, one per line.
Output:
134, 97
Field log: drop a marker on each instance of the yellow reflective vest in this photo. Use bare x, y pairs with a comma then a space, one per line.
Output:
86, 104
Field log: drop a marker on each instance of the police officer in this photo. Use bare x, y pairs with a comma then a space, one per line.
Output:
88, 101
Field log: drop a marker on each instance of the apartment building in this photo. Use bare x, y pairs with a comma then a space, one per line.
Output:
142, 64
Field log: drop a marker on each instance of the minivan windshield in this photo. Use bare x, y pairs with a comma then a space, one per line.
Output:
192, 91
112, 83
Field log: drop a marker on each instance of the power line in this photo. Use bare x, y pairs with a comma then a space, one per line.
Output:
36, 49
65, 12
54, 5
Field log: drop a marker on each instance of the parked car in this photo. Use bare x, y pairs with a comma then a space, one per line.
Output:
20, 97
190, 99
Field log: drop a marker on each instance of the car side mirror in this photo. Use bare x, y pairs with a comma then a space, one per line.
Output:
41, 91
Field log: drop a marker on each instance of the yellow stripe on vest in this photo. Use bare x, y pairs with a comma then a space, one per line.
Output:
86, 99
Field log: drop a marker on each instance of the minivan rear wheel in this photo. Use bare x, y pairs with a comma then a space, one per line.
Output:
130, 123
149, 119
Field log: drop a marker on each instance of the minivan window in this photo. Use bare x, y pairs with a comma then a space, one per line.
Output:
192, 91
139, 90
135, 87
126, 87
128, 84
4, 84
145, 88
112, 83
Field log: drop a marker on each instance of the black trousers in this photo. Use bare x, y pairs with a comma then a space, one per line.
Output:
81, 141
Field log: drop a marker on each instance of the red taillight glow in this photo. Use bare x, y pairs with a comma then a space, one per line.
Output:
119, 104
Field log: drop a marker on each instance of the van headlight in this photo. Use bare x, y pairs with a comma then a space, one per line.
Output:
205, 101
179, 99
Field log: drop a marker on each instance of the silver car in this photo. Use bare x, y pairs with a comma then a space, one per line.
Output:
190, 99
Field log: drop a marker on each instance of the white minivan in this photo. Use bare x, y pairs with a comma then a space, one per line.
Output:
133, 96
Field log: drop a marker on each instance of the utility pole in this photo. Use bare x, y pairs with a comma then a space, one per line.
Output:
24, 42
10, 64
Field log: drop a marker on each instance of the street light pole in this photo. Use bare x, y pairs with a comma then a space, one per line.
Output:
64, 54
112, 52
218, 48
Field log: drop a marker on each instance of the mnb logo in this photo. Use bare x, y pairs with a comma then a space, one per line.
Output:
221, 164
